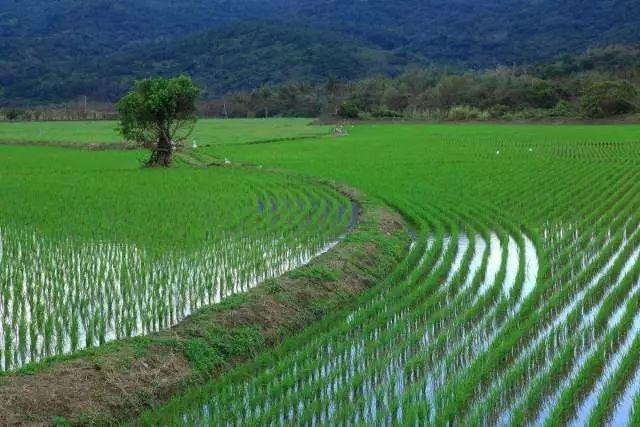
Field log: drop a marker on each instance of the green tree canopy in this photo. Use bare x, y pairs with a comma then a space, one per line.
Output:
157, 112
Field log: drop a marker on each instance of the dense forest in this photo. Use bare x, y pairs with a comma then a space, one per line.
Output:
56, 51
599, 83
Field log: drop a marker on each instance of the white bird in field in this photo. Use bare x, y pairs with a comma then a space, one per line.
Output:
227, 161
498, 152
530, 150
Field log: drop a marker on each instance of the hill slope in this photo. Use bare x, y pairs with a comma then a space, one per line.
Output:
55, 50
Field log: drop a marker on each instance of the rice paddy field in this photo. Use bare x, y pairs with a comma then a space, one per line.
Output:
93, 249
517, 302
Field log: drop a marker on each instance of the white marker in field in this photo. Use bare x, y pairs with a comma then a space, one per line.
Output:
498, 153
194, 145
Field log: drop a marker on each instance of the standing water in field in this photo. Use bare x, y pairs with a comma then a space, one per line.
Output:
57, 297
493, 263
512, 266
532, 264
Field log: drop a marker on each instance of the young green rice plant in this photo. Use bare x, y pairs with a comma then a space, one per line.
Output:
465, 331
63, 295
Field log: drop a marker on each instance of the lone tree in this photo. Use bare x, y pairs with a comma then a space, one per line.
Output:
157, 112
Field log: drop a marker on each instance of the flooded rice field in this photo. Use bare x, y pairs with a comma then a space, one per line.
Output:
407, 352
59, 296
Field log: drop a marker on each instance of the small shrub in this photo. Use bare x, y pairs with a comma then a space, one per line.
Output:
202, 356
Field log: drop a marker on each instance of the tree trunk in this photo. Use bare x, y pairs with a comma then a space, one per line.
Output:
161, 155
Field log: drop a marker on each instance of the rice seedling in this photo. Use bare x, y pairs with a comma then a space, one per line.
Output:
64, 293
516, 303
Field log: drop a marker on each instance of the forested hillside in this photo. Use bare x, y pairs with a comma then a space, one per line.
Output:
57, 50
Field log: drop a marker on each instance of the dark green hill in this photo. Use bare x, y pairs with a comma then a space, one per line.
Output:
59, 49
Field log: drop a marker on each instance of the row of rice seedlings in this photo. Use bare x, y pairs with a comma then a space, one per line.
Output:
406, 350
306, 361
634, 419
507, 345
380, 336
608, 393
512, 383
319, 403
479, 336
621, 390
593, 368
516, 375
59, 297
402, 352
606, 320
536, 357
477, 327
393, 364
396, 398
586, 348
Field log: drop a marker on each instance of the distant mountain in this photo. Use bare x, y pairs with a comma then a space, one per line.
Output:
53, 50
245, 56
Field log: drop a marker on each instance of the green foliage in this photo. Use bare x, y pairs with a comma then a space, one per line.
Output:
60, 422
519, 295
159, 108
423, 94
99, 48
207, 132
610, 98
464, 113
203, 357
244, 341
